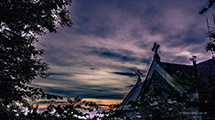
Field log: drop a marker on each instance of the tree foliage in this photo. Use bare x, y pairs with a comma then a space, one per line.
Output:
71, 110
211, 45
205, 9
21, 22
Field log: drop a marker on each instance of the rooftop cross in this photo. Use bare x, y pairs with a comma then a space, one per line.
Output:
138, 73
155, 48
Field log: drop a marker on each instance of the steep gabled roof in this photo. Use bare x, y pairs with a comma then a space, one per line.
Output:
172, 69
204, 68
133, 94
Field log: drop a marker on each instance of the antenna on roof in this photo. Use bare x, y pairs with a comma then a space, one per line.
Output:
211, 34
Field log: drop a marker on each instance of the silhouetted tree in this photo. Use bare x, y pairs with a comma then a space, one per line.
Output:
21, 22
205, 9
72, 110
211, 45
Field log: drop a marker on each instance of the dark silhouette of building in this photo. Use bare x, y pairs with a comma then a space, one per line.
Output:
164, 74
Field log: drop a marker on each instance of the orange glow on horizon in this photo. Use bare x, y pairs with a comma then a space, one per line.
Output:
103, 102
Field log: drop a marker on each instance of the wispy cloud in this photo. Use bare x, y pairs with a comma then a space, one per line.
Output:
111, 40
125, 74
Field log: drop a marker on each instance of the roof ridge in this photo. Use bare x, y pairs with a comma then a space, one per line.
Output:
206, 61
176, 64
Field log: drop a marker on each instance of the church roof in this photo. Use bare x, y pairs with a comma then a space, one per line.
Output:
204, 68
172, 69
133, 94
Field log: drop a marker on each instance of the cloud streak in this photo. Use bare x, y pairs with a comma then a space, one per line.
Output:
111, 40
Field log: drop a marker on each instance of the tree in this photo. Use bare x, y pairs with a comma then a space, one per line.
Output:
21, 22
211, 45
210, 4
68, 111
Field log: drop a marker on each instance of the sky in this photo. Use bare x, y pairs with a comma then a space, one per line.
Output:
110, 40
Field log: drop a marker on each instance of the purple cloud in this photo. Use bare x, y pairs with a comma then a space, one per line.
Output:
116, 36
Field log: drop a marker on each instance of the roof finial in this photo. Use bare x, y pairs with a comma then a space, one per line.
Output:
193, 58
155, 49
138, 73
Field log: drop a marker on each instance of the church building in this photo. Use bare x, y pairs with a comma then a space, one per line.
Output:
164, 73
